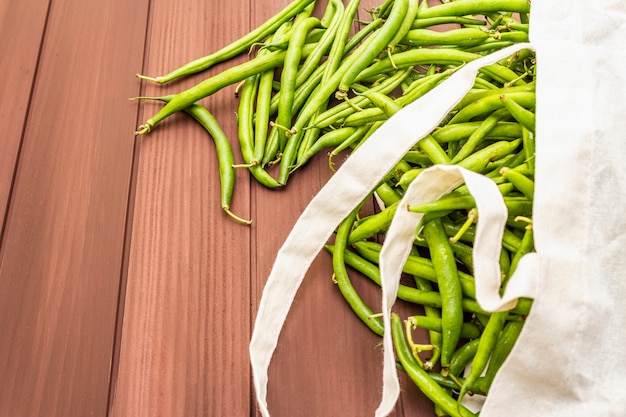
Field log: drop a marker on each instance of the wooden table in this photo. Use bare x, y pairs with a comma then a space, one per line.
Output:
124, 289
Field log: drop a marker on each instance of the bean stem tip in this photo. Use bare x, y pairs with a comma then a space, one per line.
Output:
153, 79
143, 129
234, 216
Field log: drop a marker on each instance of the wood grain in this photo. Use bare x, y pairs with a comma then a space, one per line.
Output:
62, 247
21, 28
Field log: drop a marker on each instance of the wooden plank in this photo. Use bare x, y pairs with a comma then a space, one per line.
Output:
186, 318
22, 25
62, 250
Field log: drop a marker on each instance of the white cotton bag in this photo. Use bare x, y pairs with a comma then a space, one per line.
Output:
570, 359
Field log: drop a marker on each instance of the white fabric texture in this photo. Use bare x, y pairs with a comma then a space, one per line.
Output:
570, 359
354, 181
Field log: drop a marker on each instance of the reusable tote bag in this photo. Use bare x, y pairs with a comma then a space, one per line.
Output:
570, 359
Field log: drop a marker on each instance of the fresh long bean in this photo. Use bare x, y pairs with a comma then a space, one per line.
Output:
223, 149
235, 48
213, 84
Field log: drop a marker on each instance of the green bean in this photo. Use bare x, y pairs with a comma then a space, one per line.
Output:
420, 377
304, 14
213, 84
245, 114
343, 280
462, 357
271, 154
449, 287
333, 9
225, 157
468, 330
302, 93
445, 382
382, 37
382, 11
311, 135
495, 325
478, 94
419, 56
361, 133
517, 36
528, 140
331, 138
416, 266
433, 150
313, 37
371, 271
365, 116
421, 23
264, 96
478, 160
519, 181
479, 134
526, 246
288, 77
473, 7
343, 109
262, 115
462, 37
246, 133
464, 254
488, 46
511, 161
430, 311
309, 66
422, 86
459, 131
506, 340
383, 102
519, 113
503, 74
373, 224
338, 47
405, 26
488, 341
235, 48
387, 194
363, 33
417, 157
408, 177
465, 202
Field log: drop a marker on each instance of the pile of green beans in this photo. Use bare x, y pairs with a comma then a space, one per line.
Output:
492, 132
313, 84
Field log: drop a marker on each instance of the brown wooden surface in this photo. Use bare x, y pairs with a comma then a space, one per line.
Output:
124, 289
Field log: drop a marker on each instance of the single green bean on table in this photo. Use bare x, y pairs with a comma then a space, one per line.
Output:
223, 149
